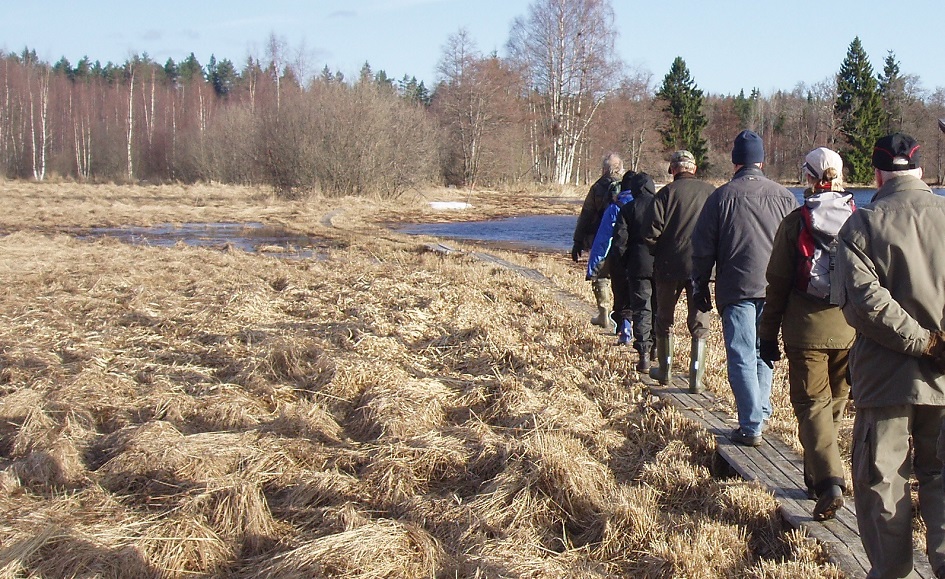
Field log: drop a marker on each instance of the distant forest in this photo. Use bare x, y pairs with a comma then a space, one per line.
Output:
534, 116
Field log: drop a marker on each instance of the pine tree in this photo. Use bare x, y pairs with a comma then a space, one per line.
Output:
383, 81
367, 74
64, 68
745, 107
171, 71
860, 110
683, 105
82, 70
189, 69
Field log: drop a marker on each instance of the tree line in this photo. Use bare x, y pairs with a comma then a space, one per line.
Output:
545, 114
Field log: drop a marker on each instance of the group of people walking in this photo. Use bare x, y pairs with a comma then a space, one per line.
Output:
856, 295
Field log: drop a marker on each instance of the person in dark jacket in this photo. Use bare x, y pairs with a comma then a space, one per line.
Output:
801, 303
619, 243
634, 263
598, 198
734, 235
676, 208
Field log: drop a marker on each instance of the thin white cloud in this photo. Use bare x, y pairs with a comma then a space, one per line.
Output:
343, 14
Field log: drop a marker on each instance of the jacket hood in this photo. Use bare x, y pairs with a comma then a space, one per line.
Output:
642, 184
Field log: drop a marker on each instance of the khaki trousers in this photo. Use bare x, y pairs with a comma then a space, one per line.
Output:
819, 390
882, 462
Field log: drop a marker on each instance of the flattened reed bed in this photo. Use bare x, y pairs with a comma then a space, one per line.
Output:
386, 412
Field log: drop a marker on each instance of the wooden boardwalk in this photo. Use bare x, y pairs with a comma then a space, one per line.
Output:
774, 465
778, 468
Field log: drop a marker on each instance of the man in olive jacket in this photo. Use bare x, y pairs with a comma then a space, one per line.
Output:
599, 197
676, 208
891, 260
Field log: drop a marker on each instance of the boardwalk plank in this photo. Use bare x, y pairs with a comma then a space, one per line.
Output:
778, 468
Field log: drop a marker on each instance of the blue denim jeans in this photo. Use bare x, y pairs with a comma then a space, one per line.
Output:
749, 377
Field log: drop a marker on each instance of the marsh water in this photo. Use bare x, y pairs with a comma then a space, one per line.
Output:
543, 232
533, 232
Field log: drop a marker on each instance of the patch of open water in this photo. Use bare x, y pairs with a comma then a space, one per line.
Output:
251, 237
544, 232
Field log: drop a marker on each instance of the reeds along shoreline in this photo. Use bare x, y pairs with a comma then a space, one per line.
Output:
386, 412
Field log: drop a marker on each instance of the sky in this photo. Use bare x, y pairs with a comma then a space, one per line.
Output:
728, 45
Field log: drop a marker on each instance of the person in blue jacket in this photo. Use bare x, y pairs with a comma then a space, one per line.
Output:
619, 242
597, 260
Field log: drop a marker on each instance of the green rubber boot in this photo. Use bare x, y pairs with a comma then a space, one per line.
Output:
696, 366
663, 370
603, 298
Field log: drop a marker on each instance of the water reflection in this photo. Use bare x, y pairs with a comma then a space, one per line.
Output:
251, 237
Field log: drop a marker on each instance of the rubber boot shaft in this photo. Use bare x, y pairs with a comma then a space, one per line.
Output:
696, 366
663, 371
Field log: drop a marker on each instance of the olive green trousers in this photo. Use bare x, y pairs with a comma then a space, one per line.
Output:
883, 460
819, 393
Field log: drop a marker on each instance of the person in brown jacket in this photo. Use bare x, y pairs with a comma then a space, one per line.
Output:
801, 303
601, 194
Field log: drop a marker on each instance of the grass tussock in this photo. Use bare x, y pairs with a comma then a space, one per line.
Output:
383, 412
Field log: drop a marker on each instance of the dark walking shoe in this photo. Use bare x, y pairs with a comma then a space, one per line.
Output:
739, 437
828, 503
644, 364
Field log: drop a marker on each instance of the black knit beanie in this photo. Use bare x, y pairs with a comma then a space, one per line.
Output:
748, 149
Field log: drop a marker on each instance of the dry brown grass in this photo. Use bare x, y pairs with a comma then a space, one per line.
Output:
384, 412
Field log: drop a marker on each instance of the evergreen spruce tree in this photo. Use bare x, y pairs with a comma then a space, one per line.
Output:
222, 76
171, 71
860, 110
892, 89
326, 77
682, 102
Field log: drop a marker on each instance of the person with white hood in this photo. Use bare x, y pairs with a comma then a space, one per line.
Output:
801, 303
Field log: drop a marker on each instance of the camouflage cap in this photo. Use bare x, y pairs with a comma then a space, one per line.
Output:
682, 156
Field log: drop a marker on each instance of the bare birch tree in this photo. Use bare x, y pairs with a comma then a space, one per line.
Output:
80, 109
565, 49
131, 119
38, 93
